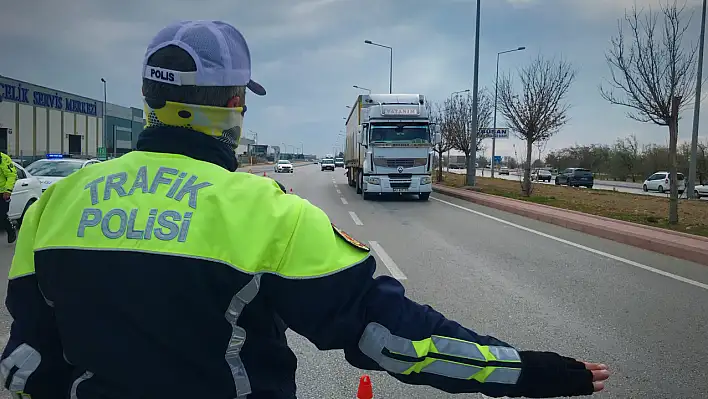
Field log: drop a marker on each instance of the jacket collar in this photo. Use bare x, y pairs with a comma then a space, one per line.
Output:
183, 141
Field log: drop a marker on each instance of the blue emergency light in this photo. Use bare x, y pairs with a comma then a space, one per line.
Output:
55, 156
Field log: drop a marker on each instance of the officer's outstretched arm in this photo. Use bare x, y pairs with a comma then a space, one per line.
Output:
32, 361
325, 291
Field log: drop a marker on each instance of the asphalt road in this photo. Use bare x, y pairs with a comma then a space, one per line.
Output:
534, 285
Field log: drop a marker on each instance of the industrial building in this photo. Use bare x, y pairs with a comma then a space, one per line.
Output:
36, 120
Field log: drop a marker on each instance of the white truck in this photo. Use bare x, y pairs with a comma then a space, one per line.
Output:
389, 145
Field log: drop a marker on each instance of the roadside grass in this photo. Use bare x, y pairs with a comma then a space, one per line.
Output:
641, 209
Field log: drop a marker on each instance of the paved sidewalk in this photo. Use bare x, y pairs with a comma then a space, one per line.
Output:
676, 244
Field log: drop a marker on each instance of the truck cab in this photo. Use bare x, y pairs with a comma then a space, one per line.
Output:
395, 142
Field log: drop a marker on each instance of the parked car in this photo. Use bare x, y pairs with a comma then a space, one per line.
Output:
338, 162
575, 177
283, 166
701, 191
55, 168
541, 175
504, 170
26, 192
327, 164
659, 181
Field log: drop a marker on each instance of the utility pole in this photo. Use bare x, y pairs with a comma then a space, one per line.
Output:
496, 95
690, 190
471, 167
105, 124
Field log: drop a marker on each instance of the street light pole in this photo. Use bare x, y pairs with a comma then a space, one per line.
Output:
362, 88
390, 68
696, 111
496, 94
105, 125
471, 167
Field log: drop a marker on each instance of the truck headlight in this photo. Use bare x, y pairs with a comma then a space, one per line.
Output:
425, 180
373, 180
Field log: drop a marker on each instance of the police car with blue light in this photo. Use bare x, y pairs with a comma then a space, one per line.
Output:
56, 167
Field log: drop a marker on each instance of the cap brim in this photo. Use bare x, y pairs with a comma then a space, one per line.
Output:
256, 88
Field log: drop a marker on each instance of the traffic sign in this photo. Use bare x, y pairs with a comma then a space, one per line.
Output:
489, 132
497, 159
101, 153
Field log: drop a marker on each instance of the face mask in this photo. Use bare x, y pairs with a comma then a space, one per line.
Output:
224, 124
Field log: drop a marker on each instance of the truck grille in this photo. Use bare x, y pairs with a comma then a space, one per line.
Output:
396, 162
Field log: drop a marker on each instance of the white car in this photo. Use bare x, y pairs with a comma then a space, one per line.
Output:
659, 181
701, 191
27, 190
52, 170
284, 166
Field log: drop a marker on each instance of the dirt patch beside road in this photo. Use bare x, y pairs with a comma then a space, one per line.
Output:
642, 209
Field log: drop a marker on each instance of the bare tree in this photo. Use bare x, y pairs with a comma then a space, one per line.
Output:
539, 111
625, 156
442, 125
541, 147
651, 68
459, 110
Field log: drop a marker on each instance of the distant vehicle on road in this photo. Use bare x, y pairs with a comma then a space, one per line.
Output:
701, 191
659, 181
338, 162
26, 192
284, 166
327, 164
504, 170
575, 177
56, 167
541, 175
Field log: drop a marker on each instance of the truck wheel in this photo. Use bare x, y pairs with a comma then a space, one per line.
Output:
423, 196
350, 178
359, 182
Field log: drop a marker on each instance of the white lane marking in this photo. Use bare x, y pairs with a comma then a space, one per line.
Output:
356, 219
335, 185
583, 247
387, 261
344, 200
339, 191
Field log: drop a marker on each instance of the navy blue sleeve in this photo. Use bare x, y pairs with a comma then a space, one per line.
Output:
379, 328
33, 361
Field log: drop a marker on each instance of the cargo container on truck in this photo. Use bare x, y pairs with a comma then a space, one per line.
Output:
389, 145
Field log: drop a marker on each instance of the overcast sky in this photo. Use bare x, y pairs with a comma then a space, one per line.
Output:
309, 53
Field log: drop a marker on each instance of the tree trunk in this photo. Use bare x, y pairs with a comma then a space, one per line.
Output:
673, 191
673, 139
527, 169
440, 167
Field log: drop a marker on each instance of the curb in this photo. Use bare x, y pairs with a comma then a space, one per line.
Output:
676, 244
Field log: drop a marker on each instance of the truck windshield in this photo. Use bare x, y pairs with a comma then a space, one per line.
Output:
392, 132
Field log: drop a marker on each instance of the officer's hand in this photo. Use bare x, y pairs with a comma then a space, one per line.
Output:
599, 374
6, 196
550, 375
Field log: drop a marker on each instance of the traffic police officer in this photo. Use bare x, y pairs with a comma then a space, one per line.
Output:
8, 177
162, 274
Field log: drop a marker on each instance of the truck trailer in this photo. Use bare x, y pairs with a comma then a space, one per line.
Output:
389, 145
